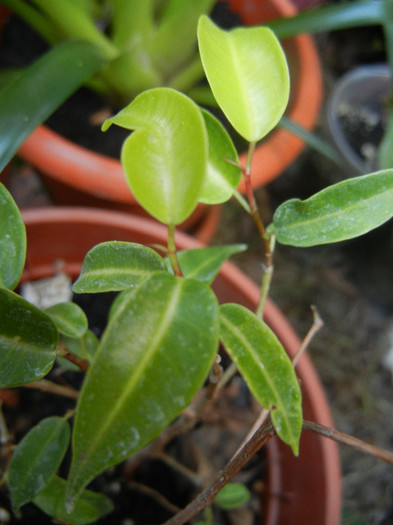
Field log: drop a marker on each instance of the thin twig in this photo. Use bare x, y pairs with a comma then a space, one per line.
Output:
351, 441
53, 388
315, 327
205, 498
164, 502
82, 364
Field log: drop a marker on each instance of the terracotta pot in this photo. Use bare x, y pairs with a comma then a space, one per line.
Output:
301, 491
86, 172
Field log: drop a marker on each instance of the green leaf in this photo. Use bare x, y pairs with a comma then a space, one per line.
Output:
342, 211
88, 509
41, 89
248, 74
12, 241
204, 264
115, 266
266, 368
154, 356
69, 319
222, 177
165, 158
232, 496
36, 459
28, 341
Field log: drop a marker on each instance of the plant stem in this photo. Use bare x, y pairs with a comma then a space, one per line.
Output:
172, 251
206, 497
82, 364
351, 441
53, 388
315, 327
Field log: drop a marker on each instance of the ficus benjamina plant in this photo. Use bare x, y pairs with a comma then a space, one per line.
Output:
165, 326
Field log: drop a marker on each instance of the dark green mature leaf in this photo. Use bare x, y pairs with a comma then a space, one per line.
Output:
12, 241
88, 509
342, 211
248, 74
204, 264
266, 367
28, 341
222, 177
165, 159
42, 88
115, 266
154, 356
36, 459
69, 319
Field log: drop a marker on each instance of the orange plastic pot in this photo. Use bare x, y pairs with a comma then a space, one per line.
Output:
300, 491
81, 172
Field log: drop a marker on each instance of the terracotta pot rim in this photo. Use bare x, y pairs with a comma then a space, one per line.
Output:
80, 167
327, 458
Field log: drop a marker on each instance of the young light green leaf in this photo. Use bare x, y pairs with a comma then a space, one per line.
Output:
12, 241
204, 264
115, 266
88, 509
248, 74
342, 211
154, 356
36, 459
165, 158
222, 177
69, 319
28, 341
266, 368
232, 496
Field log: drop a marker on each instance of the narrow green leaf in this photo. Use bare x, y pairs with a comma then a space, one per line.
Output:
115, 266
154, 356
89, 508
36, 459
41, 89
69, 319
28, 341
204, 264
265, 366
342, 211
248, 74
165, 158
222, 176
232, 496
12, 241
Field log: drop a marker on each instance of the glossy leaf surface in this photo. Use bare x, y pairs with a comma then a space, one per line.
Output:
69, 319
165, 158
36, 459
343, 211
204, 264
12, 241
266, 368
222, 177
154, 356
28, 341
248, 74
89, 508
41, 89
115, 266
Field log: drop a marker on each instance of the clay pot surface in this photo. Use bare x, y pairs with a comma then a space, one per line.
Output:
301, 491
